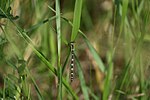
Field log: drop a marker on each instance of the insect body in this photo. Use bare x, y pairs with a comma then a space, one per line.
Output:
72, 61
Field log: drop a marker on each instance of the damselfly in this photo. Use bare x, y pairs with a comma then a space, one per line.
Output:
72, 61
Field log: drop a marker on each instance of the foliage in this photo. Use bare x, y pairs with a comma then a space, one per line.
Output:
111, 40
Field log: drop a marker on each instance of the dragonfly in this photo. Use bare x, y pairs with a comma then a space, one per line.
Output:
72, 63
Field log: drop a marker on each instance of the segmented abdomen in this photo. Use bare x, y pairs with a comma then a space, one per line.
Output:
72, 62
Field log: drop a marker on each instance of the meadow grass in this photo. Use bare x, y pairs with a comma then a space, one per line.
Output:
111, 55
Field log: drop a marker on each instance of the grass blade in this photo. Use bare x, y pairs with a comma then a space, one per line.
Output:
92, 50
76, 19
39, 24
58, 29
35, 85
94, 53
107, 83
27, 39
82, 80
66, 61
93, 95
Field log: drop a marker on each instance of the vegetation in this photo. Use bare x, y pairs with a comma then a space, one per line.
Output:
111, 38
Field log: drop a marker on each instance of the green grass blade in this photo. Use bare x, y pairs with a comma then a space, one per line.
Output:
107, 84
93, 95
44, 60
82, 80
27, 39
52, 69
13, 44
4, 88
69, 89
124, 77
35, 85
39, 24
92, 50
66, 61
125, 73
76, 19
58, 29
123, 12
94, 53
123, 15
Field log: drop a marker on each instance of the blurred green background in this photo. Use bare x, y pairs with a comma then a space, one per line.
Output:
117, 29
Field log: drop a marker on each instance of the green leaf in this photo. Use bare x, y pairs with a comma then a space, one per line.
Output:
108, 80
58, 29
66, 61
93, 95
39, 24
94, 53
82, 80
92, 50
27, 39
76, 19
